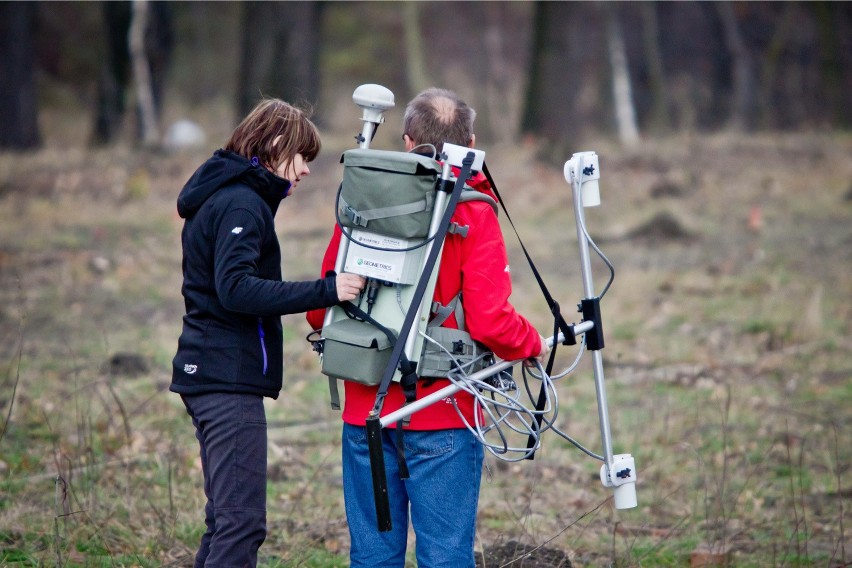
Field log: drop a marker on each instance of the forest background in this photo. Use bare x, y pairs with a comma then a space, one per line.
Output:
723, 132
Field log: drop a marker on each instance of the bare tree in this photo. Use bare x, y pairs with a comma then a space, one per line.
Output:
115, 71
414, 51
772, 60
150, 134
280, 52
625, 113
148, 65
743, 68
658, 92
502, 122
18, 108
834, 24
549, 98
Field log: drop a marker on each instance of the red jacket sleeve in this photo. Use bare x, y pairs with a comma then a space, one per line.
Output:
316, 317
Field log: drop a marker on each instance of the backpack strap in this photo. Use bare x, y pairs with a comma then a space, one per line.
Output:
442, 312
470, 194
363, 218
559, 323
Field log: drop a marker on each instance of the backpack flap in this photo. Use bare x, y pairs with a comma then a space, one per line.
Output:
356, 351
386, 192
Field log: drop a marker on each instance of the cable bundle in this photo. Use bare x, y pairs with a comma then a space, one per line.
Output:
502, 413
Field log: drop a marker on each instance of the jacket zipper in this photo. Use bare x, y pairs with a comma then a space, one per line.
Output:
262, 343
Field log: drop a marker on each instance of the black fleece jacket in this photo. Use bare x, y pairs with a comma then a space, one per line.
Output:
232, 339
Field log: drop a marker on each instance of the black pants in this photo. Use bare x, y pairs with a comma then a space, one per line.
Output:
231, 432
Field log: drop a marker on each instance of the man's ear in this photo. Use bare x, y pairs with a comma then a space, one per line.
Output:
409, 143
472, 142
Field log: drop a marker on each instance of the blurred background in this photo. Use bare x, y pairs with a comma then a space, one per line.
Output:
554, 70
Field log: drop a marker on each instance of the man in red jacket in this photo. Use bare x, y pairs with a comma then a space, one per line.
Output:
444, 458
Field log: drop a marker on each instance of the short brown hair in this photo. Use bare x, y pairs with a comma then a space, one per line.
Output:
271, 118
436, 116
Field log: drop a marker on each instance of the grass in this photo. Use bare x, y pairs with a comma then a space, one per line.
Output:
727, 364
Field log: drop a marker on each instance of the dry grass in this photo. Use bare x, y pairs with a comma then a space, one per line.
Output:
727, 361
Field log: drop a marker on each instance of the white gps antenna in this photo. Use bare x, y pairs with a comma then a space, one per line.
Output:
374, 100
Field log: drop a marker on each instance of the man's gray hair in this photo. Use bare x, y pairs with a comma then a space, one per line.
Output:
438, 115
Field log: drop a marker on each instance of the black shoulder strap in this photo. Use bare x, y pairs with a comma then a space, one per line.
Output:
559, 323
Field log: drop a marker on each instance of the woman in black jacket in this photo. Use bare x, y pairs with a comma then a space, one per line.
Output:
230, 353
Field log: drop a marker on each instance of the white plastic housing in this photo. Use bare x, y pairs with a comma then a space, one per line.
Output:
456, 154
621, 475
584, 168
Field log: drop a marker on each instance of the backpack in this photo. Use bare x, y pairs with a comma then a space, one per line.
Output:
385, 207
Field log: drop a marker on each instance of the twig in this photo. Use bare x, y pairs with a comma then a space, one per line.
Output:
122, 411
557, 535
802, 496
837, 469
18, 366
796, 522
14, 388
60, 504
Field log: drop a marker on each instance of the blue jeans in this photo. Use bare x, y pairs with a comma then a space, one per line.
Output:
441, 494
231, 432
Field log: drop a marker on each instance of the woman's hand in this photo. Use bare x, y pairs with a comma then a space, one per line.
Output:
349, 286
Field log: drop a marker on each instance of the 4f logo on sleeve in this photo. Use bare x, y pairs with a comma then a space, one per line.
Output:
237, 230
190, 369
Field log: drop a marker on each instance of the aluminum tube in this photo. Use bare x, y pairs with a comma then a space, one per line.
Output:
367, 131
589, 291
451, 389
437, 214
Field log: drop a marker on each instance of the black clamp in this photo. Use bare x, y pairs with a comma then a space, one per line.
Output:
591, 309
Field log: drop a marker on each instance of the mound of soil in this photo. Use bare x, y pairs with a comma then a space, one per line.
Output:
662, 227
519, 555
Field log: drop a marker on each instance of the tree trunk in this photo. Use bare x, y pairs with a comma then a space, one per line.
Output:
280, 53
548, 107
502, 123
142, 74
659, 119
771, 61
834, 74
119, 66
625, 113
743, 75
415, 54
256, 53
18, 97
115, 72
294, 73
533, 118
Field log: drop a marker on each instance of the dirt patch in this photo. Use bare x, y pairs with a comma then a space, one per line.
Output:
514, 553
663, 226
